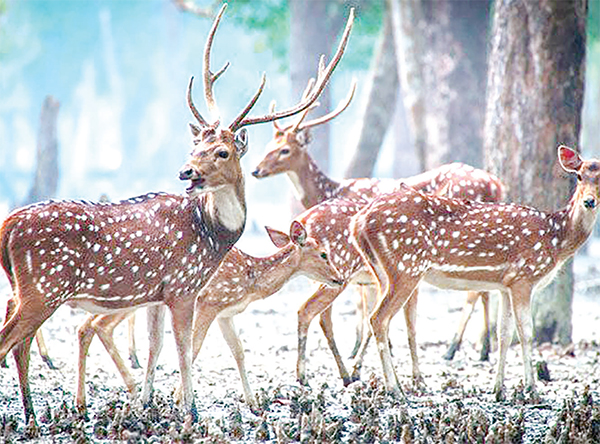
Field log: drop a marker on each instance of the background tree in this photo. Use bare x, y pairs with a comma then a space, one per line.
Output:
45, 181
382, 89
441, 45
534, 103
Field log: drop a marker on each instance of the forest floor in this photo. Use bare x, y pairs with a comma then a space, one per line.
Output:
457, 404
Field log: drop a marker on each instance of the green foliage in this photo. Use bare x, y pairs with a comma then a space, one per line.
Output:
593, 21
269, 20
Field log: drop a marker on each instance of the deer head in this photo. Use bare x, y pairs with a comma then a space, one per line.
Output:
288, 147
215, 159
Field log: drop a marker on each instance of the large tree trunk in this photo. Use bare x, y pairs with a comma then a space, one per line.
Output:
534, 100
45, 181
379, 110
312, 33
441, 44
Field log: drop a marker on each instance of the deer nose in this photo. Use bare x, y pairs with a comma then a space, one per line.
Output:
186, 173
589, 203
256, 173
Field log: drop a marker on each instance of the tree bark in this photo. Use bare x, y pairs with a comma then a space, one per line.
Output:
312, 34
441, 44
534, 102
379, 110
45, 181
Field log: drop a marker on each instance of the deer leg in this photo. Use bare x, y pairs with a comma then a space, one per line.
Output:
85, 334
156, 330
398, 292
21, 353
327, 327
39, 339
29, 314
133, 359
504, 343
485, 335
182, 316
368, 295
467, 311
10, 308
237, 350
318, 302
361, 313
521, 299
203, 318
104, 327
410, 316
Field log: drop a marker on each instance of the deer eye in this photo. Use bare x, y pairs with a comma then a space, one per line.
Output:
579, 176
285, 151
324, 255
223, 154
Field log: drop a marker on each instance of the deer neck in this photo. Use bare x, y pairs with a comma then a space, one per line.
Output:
222, 213
272, 272
311, 185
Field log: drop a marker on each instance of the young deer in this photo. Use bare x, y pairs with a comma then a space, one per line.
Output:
239, 280
288, 153
149, 250
409, 236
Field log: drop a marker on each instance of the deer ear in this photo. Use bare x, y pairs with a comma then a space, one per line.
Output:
303, 137
241, 142
298, 233
569, 159
195, 130
279, 238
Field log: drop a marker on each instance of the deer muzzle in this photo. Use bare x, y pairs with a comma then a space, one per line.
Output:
589, 202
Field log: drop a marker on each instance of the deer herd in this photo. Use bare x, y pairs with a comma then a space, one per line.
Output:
447, 226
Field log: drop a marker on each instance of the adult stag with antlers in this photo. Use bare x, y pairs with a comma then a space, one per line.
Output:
149, 250
409, 236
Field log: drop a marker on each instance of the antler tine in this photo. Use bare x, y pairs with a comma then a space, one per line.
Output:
271, 111
193, 108
322, 80
210, 77
340, 109
311, 83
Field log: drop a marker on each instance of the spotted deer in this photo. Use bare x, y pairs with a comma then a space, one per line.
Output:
288, 153
329, 222
409, 236
152, 250
239, 280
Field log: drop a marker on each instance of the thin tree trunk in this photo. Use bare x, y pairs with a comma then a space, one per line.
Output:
45, 181
534, 103
311, 35
379, 110
441, 44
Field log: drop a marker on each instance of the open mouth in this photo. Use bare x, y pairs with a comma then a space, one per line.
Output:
195, 184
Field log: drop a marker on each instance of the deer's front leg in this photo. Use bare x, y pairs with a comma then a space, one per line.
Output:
237, 350
156, 330
504, 343
327, 326
410, 316
398, 292
521, 303
85, 334
318, 302
182, 314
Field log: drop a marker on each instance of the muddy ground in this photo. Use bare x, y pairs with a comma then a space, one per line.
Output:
456, 406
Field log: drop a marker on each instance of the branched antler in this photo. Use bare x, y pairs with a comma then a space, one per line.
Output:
321, 82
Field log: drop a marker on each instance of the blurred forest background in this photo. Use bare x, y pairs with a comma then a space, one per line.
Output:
92, 93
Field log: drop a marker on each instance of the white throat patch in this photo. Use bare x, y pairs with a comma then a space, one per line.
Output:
297, 187
229, 209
